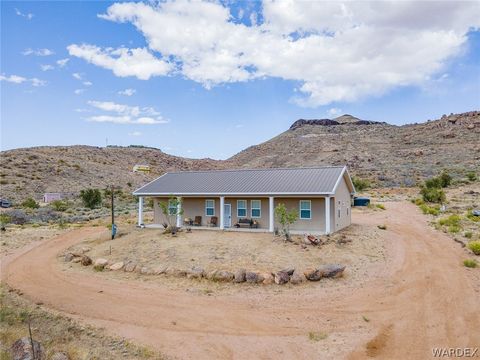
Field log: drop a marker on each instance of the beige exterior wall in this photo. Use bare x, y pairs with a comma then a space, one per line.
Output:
317, 221
342, 207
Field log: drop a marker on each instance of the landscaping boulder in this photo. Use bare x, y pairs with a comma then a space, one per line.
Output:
85, 249
223, 276
76, 259
130, 267
195, 272
161, 269
100, 264
22, 349
313, 274
281, 277
268, 278
239, 276
146, 271
85, 260
68, 257
332, 270
117, 266
289, 271
297, 277
252, 277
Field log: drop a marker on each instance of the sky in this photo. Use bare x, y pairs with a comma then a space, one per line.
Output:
208, 79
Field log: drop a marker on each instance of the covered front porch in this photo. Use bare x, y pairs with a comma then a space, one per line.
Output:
316, 218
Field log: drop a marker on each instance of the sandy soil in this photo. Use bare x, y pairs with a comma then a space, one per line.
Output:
423, 298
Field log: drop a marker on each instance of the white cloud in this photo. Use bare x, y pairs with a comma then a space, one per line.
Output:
127, 92
123, 62
38, 52
63, 62
46, 67
79, 91
77, 76
337, 51
87, 83
16, 79
28, 16
125, 114
135, 133
239, 126
13, 79
333, 112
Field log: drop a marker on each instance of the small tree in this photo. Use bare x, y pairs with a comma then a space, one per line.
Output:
360, 184
285, 218
445, 179
433, 194
59, 205
91, 198
171, 209
30, 203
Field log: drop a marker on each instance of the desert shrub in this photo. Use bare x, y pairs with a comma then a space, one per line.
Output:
471, 176
430, 210
475, 247
433, 183
445, 179
432, 194
380, 206
472, 217
5, 219
454, 229
91, 198
3, 182
30, 203
129, 184
360, 184
452, 220
317, 336
470, 263
418, 201
59, 205
18, 217
285, 219
468, 234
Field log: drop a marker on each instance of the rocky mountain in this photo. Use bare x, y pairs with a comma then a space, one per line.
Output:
386, 154
68, 169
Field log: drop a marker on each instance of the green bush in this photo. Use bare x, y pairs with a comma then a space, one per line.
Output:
59, 205
5, 219
419, 201
475, 247
360, 184
432, 194
380, 206
433, 183
91, 198
468, 234
470, 263
30, 203
452, 220
454, 229
471, 176
430, 210
472, 217
445, 179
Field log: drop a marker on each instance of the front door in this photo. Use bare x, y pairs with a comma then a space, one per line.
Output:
227, 215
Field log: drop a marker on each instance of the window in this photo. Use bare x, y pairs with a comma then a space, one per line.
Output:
305, 209
256, 208
210, 207
172, 208
241, 208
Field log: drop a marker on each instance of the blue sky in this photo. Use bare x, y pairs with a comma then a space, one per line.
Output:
208, 80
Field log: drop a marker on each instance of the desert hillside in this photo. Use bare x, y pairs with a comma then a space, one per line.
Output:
34, 171
388, 155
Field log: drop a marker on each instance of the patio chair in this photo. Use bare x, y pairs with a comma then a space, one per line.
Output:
198, 221
213, 221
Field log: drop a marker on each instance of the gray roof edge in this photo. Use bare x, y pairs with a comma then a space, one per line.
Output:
254, 169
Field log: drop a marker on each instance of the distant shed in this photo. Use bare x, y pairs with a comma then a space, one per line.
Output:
49, 197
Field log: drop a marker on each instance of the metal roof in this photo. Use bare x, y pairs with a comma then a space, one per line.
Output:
289, 181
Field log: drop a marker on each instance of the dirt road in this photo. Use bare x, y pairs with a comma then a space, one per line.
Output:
423, 299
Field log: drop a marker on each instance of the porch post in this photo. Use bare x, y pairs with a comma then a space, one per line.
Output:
271, 215
179, 210
327, 215
222, 203
140, 210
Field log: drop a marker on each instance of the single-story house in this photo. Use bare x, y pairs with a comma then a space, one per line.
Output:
321, 195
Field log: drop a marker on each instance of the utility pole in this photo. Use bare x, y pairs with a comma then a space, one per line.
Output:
114, 227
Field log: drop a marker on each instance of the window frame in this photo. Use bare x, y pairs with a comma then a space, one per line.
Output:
242, 208
209, 207
300, 209
255, 208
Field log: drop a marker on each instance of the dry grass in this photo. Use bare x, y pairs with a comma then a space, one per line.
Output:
58, 333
